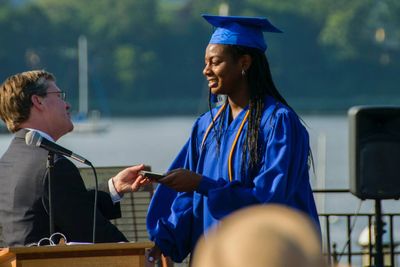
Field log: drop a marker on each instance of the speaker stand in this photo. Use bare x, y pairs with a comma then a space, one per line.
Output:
378, 234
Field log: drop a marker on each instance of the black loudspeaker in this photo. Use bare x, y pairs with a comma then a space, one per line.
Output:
375, 152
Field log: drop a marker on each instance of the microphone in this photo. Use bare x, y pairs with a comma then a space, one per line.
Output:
33, 138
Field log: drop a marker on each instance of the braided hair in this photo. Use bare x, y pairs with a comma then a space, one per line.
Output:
260, 83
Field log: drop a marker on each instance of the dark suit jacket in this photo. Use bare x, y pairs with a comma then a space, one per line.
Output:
24, 199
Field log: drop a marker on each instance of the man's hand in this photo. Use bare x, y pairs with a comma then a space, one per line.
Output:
129, 179
181, 180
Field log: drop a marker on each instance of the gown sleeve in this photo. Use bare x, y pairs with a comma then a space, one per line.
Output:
284, 163
169, 219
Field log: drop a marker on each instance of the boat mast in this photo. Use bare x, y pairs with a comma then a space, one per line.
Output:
83, 75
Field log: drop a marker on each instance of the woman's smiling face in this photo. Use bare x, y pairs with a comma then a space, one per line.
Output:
222, 72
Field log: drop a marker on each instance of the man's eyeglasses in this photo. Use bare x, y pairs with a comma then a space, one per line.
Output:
62, 94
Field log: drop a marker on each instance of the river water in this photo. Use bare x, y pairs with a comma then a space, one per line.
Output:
156, 141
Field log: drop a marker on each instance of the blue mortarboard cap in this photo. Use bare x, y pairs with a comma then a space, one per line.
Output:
238, 30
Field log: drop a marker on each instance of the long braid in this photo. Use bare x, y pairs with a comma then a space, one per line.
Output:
217, 131
261, 84
256, 105
212, 117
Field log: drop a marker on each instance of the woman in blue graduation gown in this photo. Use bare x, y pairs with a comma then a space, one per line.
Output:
251, 150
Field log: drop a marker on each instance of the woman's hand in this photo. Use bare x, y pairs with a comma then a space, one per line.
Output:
154, 254
181, 180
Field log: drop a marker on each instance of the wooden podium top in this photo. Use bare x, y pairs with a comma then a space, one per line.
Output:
102, 254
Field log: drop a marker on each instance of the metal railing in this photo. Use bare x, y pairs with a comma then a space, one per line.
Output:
339, 233
345, 250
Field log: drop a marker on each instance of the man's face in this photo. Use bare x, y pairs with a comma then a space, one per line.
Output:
56, 112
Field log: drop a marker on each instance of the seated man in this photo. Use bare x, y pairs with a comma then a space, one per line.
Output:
32, 101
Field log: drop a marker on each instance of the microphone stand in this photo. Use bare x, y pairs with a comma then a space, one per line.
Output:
50, 167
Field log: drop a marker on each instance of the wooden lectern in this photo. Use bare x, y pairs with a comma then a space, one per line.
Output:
97, 255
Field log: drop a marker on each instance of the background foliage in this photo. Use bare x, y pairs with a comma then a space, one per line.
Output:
146, 56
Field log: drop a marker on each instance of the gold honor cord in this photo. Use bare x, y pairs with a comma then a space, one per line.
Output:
211, 123
234, 145
234, 142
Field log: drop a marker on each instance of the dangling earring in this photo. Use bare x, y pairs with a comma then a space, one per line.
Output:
243, 72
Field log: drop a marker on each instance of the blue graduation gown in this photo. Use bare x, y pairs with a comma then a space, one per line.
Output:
175, 221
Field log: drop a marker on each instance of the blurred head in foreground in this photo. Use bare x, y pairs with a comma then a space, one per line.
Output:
261, 236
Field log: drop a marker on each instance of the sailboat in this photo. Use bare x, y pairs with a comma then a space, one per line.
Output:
3, 128
85, 121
